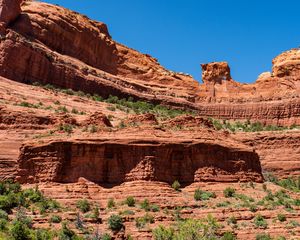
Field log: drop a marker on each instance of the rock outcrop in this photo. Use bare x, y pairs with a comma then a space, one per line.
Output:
115, 161
9, 11
279, 153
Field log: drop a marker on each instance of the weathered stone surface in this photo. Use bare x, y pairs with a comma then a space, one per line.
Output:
47, 44
279, 152
9, 11
110, 160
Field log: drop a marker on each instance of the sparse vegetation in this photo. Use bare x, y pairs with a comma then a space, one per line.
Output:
203, 195
130, 201
111, 203
229, 192
68, 128
281, 217
55, 219
83, 205
263, 236
142, 221
260, 222
247, 126
205, 229
115, 223
176, 185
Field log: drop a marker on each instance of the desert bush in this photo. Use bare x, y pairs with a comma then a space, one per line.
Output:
130, 201
228, 236
232, 220
281, 217
145, 205
111, 203
106, 236
115, 222
229, 192
206, 229
260, 222
20, 231
142, 221
203, 195
176, 185
263, 236
83, 205
55, 219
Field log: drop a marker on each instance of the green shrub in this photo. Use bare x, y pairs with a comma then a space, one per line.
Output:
62, 109
190, 229
154, 208
130, 201
229, 192
176, 185
115, 222
3, 224
281, 217
111, 203
74, 111
20, 231
203, 195
34, 195
66, 233
96, 213
42, 234
142, 221
232, 220
55, 219
145, 205
3, 215
83, 205
163, 233
253, 208
106, 236
263, 236
93, 129
228, 236
260, 222
68, 128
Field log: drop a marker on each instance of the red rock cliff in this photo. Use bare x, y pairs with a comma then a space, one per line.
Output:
114, 161
50, 44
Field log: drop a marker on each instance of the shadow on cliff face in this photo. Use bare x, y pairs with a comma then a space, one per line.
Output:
110, 164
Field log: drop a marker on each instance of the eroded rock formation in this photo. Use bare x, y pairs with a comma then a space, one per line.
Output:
114, 161
9, 11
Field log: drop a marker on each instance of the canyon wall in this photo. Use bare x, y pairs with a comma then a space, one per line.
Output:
117, 161
52, 45
279, 152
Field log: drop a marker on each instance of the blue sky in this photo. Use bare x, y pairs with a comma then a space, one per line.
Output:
182, 34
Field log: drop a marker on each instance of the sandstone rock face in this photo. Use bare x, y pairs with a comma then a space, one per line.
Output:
215, 72
287, 65
114, 161
48, 44
9, 11
279, 153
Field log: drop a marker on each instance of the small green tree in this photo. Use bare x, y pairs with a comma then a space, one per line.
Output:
115, 223
83, 205
111, 203
229, 192
130, 201
176, 185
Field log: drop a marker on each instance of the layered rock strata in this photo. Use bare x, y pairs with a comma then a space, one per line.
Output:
114, 161
50, 44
